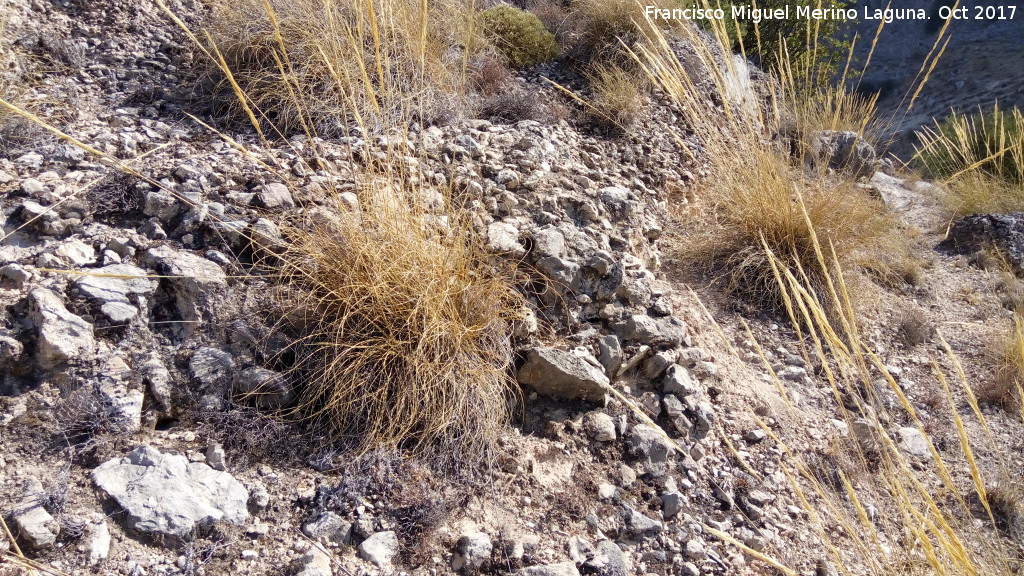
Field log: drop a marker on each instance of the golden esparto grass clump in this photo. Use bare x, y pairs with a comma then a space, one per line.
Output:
324, 61
401, 320
756, 197
404, 328
980, 158
1007, 358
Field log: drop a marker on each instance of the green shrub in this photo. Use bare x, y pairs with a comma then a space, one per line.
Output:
818, 46
519, 35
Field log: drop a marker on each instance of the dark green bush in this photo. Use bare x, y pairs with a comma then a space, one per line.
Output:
519, 35
819, 46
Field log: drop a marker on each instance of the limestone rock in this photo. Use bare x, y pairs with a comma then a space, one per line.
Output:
211, 367
312, 563
560, 569
471, 551
380, 548
191, 281
112, 285
263, 388
76, 253
1006, 231
642, 328
609, 560
553, 372
275, 195
329, 526
599, 426
503, 238
98, 543
31, 521
914, 443
166, 495
842, 150
641, 525
63, 336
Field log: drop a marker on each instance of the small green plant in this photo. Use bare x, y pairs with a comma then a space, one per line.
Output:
519, 36
598, 30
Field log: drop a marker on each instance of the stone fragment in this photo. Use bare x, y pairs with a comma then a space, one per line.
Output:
553, 372
609, 560
471, 551
914, 443
640, 525
329, 526
76, 253
503, 238
63, 336
31, 521
160, 205
671, 504
273, 196
610, 354
190, 280
599, 426
262, 388
842, 150
380, 548
16, 274
166, 495
312, 563
98, 542
212, 367
648, 444
560, 569
642, 328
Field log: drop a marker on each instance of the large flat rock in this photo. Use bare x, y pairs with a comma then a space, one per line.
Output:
166, 495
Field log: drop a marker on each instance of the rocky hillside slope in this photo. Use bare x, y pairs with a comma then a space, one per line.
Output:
136, 434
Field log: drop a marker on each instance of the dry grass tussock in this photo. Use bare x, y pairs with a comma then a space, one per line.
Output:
310, 64
1007, 358
618, 97
404, 328
828, 107
17, 134
981, 159
756, 196
402, 322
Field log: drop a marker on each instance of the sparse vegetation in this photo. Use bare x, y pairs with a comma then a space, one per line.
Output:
981, 158
817, 44
401, 322
990, 142
754, 196
1007, 357
519, 35
914, 328
314, 66
618, 98
896, 493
